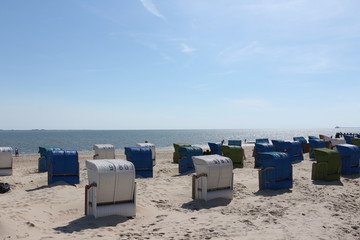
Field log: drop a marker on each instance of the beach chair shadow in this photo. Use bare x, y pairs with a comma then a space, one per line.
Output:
59, 183
89, 222
329, 183
196, 205
351, 176
270, 193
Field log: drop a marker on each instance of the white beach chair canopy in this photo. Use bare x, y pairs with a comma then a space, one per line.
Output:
218, 168
6, 161
115, 179
104, 151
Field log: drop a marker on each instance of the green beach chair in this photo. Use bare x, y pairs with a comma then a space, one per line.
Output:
235, 153
327, 166
356, 141
176, 155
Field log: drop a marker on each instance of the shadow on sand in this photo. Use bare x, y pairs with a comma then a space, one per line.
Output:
330, 183
352, 176
202, 204
270, 193
59, 183
89, 222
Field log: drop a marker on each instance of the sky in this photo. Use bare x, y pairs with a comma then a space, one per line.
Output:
179, 64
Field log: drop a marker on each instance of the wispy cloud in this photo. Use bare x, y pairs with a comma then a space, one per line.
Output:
149, 5
187, 49
256, 104
237, 53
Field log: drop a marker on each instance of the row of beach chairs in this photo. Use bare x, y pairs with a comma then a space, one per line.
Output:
112, 187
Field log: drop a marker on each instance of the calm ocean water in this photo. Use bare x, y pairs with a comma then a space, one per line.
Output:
28, 141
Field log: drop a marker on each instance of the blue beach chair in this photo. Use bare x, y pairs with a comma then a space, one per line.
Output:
276, 171
350, 158
141, 157
186, 162
63, 166
215, 148
260, 148
315, 143
234, 143
43, 161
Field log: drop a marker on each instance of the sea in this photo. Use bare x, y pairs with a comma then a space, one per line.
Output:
28, 141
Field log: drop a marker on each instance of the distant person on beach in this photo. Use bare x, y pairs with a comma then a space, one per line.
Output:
16, 152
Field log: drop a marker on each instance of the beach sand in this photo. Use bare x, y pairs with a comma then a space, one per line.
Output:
165, 210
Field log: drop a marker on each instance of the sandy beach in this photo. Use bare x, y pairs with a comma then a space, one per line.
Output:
165, 209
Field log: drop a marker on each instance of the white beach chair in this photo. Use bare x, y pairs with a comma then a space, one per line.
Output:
111, 189
213, 177
153, 150
104, 151
6, 161
334, 141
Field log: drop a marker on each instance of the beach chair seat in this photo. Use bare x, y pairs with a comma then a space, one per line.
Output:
111, 189
304, 143
104, 151
215, 148
186, 162
327, 166
153, 150
235, 153
6, 161
43, 161
276, 171
350, 158
141, 157
213, 177
259, 148
63, 166
234, 142
315, 143
176, 156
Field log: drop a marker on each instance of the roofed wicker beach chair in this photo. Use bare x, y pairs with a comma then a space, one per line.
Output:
350, 158
356, 141
111, 189
176, 156
315, 143
294, 149
213, 177
276, 171
6, 161
327, 166
348, 139
304, 143
262, 140
186, 161
235, 153
234, 142
104, 151
259, 148
333, 141
153, 150
141, 157
63, 166
215, 148
43, 161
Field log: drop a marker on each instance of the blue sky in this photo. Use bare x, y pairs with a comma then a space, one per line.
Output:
179, 64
